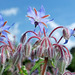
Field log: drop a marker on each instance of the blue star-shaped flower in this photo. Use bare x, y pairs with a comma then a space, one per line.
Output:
38, 18
4, 28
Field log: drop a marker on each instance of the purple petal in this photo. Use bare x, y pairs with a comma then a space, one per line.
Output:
41, 27
1, 38
66, 41
1, 23
1, 20
6, 27
42, 11
4, 33
30, 12
71, 32
32, 21
44, 20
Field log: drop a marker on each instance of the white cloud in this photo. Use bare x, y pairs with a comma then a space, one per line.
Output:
70, 44
14, 31
58, 33
72, 26
9, 12
52, 24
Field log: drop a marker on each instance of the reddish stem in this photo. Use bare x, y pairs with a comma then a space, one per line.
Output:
49, 42
34, 37
56, 71
54, 38
60, 39
68, 73
3, 42
2, 55
44, 68
10, 45
60, 49
66, 49
54, 30
19, 67
43, 41
32, 32
44, 32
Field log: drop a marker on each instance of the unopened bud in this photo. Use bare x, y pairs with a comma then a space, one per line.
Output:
27, 49
61, 65
66, 34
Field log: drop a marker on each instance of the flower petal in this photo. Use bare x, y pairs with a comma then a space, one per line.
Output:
7, 27
66, 41
4, 33
1, 20
45, 16
42, 11
4, 23
35, 11
30, 12
32, 21
41, 27
7, 31
45, 20
43, 23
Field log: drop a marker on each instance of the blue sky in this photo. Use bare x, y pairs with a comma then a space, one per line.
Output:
63, 12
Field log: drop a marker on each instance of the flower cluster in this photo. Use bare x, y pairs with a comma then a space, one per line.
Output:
34, 58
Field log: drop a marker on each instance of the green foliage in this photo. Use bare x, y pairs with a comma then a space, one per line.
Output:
37, 65
71, 67
26, 61
23, 71
7, 67
7, 73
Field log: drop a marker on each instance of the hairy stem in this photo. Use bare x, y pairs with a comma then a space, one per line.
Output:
60, 39
44, 68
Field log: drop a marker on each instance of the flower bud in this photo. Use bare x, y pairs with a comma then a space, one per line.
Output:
39, 51
46, 52
51, 52
27, 48
61, 65
3, 57
18, 54
66, 34
68, 59
23, 38
0, 58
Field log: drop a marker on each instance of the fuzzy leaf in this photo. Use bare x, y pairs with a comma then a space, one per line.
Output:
7, 67
37, 65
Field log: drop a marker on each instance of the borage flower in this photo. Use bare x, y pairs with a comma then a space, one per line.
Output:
67, 33
38, 18
4, 29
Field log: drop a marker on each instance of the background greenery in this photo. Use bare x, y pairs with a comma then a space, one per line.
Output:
71, 67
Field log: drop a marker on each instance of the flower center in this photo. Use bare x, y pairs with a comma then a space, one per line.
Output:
36, 23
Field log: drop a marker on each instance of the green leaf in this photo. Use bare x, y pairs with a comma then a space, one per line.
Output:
52, 64
37, 65
23, 71
7, 67
39, 69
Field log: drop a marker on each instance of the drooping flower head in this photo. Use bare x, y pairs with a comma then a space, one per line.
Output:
67, 33
38, 18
